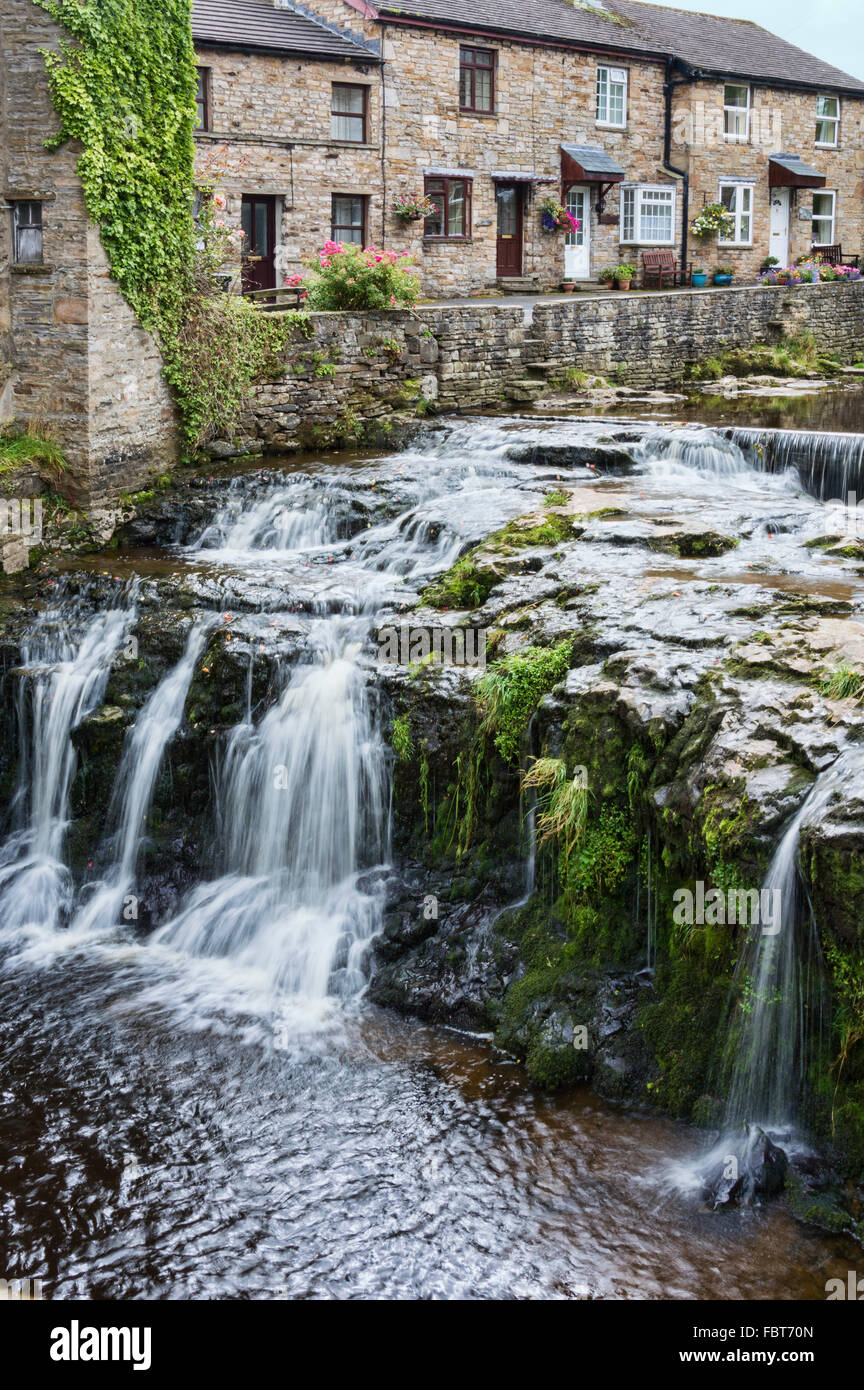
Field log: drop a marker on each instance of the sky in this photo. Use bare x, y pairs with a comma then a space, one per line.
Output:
832, 29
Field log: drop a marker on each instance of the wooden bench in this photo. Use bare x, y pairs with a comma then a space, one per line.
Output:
833, 255
280, 297
660, 266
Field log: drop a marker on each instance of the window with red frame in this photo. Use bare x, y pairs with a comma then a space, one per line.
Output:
452, 215
477, 79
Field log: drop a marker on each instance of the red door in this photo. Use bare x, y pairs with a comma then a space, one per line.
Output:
509, 199
258, 220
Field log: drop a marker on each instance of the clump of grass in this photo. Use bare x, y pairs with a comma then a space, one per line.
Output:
563, 803
795, 356
556, 498
465, 585
843, 683
35, 447
574, 379
403, 744
511, 689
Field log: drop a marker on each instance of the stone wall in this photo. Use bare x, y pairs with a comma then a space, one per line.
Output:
72, 356
360, 375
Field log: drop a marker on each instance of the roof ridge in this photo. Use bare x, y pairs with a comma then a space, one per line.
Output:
349, 35
700, 14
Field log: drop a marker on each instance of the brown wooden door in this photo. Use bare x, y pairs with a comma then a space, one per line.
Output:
509, 199
258, 220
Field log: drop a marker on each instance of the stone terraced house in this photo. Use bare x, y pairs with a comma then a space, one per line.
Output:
635, 115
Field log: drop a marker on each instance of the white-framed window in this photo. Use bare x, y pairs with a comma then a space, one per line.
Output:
612, 97
736, 112
647, 214
824, 214
737, 199
827, 121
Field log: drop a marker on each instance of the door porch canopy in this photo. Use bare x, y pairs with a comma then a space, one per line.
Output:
790, 171
590, 164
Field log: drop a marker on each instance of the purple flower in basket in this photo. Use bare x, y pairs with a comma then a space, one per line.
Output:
549, 222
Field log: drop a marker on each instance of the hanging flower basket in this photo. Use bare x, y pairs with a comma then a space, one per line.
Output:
554, 217
713, 220
412, 208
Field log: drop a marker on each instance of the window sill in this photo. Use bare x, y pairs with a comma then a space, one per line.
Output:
820, 145
735, 245
21, 268
447, 240
478, 115
651, 245
610, 125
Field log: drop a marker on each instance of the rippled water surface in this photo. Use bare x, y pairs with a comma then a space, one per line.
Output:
371, 1158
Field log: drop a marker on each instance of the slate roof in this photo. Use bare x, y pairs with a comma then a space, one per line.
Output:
732, 47
593, 159
727, 47
256, 25
585, 24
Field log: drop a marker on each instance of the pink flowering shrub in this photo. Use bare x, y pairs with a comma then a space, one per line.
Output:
343, 275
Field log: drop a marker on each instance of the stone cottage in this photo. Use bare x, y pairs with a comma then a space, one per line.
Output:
634, 115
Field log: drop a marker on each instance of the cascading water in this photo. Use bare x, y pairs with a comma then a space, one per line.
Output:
133, 790
61, 680
767, 1051
303, 807
829, 465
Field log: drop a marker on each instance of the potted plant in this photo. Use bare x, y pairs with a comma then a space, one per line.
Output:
412, 208
700, 278
624, 275
606, 275
769, 263
723, 275
569, 286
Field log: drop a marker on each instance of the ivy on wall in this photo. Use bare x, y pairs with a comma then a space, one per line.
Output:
123, 85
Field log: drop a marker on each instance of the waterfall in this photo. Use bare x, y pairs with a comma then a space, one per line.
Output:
61, 680
144, 747
830, 466
767, 1040
304, 811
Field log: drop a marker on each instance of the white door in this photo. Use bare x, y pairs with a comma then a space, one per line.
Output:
779, 241
577, 245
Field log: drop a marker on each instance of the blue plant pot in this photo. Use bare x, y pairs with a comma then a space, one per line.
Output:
722, 279
699, 280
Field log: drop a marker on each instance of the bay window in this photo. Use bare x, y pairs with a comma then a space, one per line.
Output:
452, 199
648, 214
737, 199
